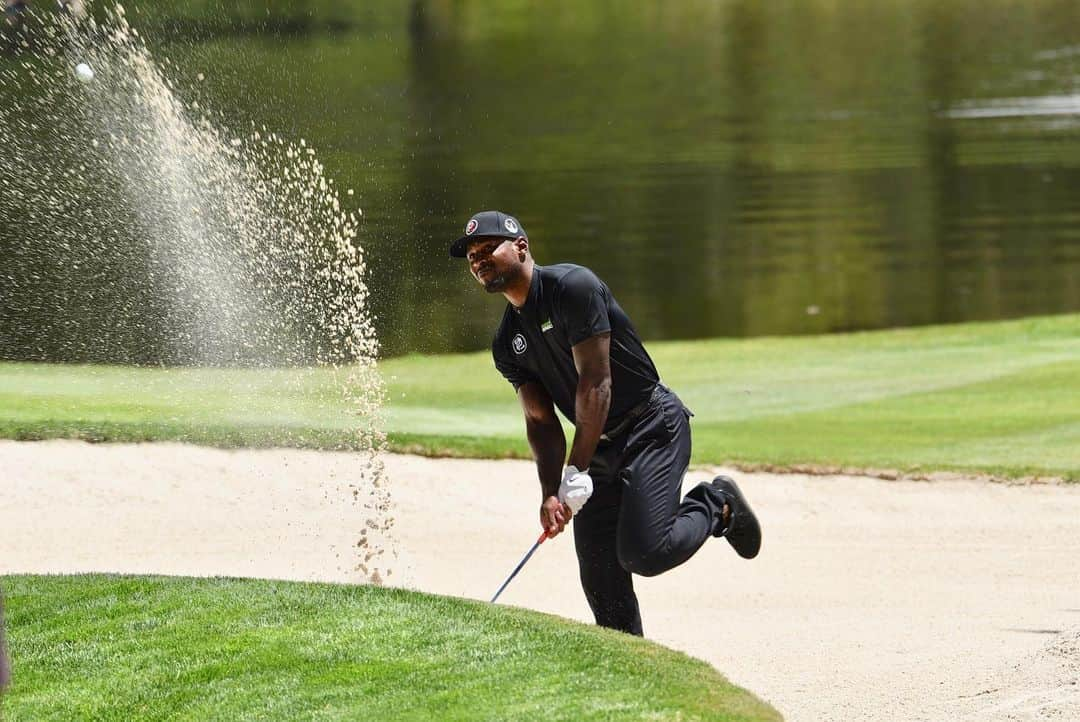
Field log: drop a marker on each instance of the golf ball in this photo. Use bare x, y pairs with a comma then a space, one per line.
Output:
84, 72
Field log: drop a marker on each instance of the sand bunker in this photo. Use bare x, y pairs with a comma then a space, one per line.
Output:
885, 600
1041, 686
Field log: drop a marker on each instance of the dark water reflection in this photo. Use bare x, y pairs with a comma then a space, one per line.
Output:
730, 168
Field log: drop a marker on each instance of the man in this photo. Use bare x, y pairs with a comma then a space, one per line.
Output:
564, 342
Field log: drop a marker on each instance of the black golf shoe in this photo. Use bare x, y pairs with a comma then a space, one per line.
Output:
742, 531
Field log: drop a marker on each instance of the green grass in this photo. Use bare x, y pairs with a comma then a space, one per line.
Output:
996, 398
122, 648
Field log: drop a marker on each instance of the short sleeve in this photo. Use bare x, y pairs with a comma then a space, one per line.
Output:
582, 304
512, 372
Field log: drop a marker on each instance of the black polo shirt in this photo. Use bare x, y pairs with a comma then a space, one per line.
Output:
566, 305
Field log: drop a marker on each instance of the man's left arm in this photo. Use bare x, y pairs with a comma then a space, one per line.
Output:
592, 357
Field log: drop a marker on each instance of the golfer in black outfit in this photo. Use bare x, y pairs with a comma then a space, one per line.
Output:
565, 343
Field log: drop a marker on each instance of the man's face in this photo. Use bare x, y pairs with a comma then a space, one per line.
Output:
493, 262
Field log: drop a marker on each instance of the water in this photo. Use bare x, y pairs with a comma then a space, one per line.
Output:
730, 168
148, 231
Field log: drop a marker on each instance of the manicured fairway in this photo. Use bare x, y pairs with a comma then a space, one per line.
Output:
1000, 398
121, 648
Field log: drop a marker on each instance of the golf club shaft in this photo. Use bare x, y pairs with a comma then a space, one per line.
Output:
517, 569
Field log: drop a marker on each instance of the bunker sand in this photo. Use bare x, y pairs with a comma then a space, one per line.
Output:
871, 599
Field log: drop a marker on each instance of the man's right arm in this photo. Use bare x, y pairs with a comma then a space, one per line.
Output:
548, 444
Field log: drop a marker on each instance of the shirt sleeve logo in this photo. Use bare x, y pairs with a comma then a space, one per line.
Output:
471, 228
510, 225
519, 344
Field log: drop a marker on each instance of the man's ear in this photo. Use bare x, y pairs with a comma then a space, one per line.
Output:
521, 245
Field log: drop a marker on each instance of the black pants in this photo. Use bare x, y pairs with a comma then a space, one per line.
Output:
635, 523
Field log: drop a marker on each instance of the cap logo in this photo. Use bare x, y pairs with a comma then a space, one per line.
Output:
519, 344
471, 228
510, 225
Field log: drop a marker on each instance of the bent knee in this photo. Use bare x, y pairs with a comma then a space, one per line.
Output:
644, 563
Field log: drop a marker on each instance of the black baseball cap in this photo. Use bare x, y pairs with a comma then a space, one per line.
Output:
487, 224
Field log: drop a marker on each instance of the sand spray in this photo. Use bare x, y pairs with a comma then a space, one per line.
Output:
249, 254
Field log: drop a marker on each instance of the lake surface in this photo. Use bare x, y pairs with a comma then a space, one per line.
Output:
732, 168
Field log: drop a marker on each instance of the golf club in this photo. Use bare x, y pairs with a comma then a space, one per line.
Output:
543, 536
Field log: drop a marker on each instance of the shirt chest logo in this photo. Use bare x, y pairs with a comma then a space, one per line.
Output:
518, 344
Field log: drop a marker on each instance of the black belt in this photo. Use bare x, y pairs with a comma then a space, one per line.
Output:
633, 415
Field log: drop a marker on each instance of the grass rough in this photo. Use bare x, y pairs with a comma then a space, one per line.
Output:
108, 647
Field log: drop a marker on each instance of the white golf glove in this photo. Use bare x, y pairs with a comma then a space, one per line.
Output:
576, 488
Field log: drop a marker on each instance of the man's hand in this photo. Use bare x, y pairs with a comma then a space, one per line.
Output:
554, 516
576, 488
